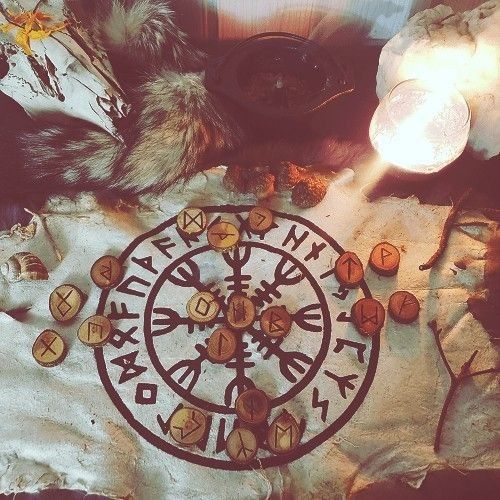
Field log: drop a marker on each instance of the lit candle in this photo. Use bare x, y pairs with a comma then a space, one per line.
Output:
420, 127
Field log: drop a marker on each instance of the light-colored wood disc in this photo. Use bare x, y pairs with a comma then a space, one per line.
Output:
283, 435
240, 312
260, 220
223, 236
49, 349
221, 345
368, 316
95, 331
203, 307
276, 322
252, 406
349, 270
188, 426
404, 307
241, 445
65, 302
192, 221
106, 272
384, 259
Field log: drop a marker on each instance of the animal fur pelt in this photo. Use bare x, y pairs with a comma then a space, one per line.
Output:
176, 126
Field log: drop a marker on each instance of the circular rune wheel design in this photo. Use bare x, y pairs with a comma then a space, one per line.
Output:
156, 360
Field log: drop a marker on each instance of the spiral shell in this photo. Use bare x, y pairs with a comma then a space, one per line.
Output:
24, 266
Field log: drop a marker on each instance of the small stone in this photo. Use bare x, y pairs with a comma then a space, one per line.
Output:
309, 192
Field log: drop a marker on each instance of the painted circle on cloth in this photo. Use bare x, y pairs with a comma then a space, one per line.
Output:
159, 360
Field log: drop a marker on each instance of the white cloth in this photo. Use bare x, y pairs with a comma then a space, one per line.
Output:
59, 427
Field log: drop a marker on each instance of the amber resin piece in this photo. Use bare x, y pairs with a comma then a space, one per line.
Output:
203, 307
252, 406
95, 331
368, 316
223, 236
192, 221
65, 302
283, 435
188, 426
221, 345
276, 322
240, 312
260, 220
106, 272
404, 307
384, 259
241, 445
49, 349
349, 270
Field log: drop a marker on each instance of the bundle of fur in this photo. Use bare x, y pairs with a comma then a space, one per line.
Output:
176, 127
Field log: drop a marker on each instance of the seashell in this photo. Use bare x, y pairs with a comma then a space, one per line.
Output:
24, 266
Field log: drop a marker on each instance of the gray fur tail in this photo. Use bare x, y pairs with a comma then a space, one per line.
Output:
176, 129
142, 32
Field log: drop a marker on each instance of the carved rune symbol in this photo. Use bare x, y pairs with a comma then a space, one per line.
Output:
261, 217
106, 270
371, 318
384, 253
407, 301
48, 347
350, 264
275, 323
64, 307
189, 220
190, 427
247, 452
94, 328
239, 311
202, 306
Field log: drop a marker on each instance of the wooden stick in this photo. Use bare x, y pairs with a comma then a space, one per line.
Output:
445, 235
52, 242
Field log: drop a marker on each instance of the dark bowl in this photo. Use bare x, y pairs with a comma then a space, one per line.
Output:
278, 76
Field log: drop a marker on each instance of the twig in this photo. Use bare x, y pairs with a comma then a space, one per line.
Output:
53, 243
445, 235
456, 381
35, 8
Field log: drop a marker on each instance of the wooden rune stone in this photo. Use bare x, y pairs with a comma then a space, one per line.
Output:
384, 259
221, 345
260, 220
283, 434
49, 349
241, 445
223, 236
349, 270
192, 221
95, 331
65, 302
276, 322
203, 307
368, 316
240, 312
188, 426
106, 272
404, 307
252, 406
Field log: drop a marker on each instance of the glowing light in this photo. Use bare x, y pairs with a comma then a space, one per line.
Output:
421, 127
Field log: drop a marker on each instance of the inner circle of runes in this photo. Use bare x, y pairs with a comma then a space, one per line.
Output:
156, 361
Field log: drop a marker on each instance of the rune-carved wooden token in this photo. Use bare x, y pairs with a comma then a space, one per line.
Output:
223, 236
203, 307
240, 312
241, 445
221, 345
283, 435
368, 316
349, 270
188, 426
49, 349
276, 322
192, 221
384, 259
95, 331
65, 302
404, 307
260, 220
252, 406
106, 272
